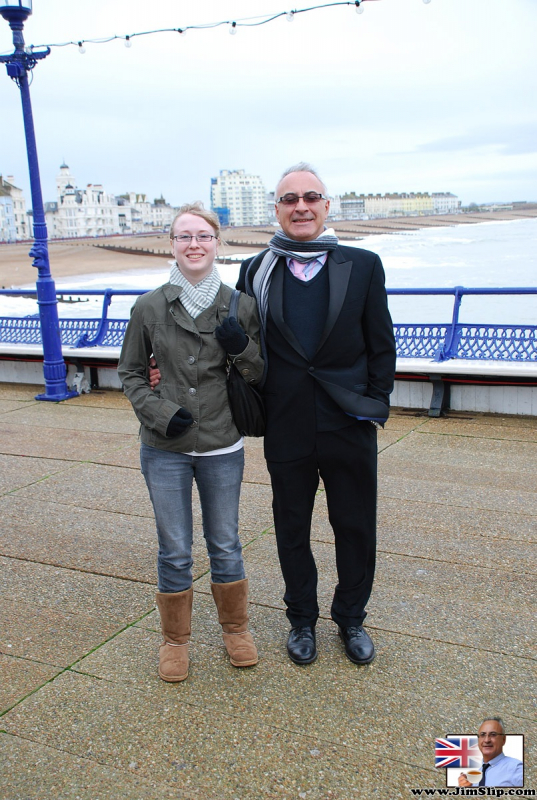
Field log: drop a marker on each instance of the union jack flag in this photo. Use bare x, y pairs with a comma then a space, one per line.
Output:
457, 751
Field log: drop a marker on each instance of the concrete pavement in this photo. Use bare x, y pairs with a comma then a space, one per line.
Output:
83, 712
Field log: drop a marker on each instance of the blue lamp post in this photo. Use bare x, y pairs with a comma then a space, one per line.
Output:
18, 65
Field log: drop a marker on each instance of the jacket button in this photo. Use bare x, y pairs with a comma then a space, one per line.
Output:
311, 369
191, 360
245, 371
192, 391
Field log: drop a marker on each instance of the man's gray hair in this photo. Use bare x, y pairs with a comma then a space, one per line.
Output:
302, 166
499, 720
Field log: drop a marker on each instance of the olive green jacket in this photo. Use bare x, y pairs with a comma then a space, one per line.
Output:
192, 365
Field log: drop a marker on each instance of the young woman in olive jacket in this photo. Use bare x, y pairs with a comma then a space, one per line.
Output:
188, 433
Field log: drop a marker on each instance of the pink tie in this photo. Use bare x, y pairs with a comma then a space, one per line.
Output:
297, 268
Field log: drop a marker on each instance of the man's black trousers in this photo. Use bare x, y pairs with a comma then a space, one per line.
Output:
346, 460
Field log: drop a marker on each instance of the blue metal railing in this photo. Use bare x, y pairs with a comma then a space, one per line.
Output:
436, 341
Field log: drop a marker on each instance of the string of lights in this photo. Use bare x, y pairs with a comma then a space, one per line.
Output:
232, 24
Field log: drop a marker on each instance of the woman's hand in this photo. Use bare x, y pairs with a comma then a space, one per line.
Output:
179, 423
231, 336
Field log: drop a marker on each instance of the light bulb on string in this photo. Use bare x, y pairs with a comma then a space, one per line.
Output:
81, 48
128, 42
359, 9
233, 28
290, 16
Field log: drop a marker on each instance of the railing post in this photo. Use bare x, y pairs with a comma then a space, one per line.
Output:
451, 343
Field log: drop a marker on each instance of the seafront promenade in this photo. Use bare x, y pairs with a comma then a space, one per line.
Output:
84, 715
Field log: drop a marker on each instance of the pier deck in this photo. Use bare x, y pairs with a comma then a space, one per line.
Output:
84, 714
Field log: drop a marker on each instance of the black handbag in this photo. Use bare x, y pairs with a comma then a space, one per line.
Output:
245, 402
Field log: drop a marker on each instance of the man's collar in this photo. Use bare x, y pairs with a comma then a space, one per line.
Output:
496, 759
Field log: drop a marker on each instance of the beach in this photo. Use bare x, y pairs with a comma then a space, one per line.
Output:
70, 258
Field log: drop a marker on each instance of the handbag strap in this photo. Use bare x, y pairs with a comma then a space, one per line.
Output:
234, 303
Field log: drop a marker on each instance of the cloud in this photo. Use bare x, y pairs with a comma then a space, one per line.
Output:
507, 140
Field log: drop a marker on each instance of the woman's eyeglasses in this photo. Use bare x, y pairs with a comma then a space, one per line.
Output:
184, 238
310, 198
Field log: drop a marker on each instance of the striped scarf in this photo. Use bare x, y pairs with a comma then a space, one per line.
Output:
282, 245
199, 297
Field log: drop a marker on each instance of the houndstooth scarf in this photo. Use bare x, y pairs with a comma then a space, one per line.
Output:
196, 298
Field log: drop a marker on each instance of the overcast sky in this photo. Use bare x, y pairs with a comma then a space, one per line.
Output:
404, 97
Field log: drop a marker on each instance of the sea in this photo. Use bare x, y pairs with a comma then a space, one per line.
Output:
494, 254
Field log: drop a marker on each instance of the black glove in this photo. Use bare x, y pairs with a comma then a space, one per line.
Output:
231, 336
178, 424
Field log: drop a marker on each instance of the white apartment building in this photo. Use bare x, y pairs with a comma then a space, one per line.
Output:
238, 198
446, 203
83, 212
14, 224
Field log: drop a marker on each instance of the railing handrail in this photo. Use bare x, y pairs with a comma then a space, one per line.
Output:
439, 341
454, 290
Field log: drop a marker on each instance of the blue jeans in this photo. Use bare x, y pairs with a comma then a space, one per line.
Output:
169, 478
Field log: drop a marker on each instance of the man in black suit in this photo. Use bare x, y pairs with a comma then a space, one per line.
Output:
330, 362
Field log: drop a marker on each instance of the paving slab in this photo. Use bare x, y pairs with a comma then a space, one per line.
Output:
77, 445
16, 472
51, 636
404, 423
458, 452
7, 406
128, 456
225, 753
453, 521
57, 615
120, 545
20, 391
492, 430
34, 771
20, 677
72, 592
443, 601
68, 416
96, 486
455, 494
412, 531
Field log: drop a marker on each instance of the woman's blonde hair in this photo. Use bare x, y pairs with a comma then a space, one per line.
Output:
199, 210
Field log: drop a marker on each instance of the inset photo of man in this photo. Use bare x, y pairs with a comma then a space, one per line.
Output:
500, 762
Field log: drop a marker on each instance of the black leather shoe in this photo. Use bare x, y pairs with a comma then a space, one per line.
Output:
301, 645
359, 646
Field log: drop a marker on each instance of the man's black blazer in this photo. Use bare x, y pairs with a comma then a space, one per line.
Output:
356, 353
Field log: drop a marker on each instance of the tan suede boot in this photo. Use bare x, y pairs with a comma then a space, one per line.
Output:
175, 618
232, 602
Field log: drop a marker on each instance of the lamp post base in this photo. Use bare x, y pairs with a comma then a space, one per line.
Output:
59, 397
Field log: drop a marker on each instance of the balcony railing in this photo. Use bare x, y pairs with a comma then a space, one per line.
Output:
433, 341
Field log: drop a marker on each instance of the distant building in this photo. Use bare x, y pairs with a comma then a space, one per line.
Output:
352, 206
242, 196
446, 203
271, 209
83, 212
14, 224
94, 212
